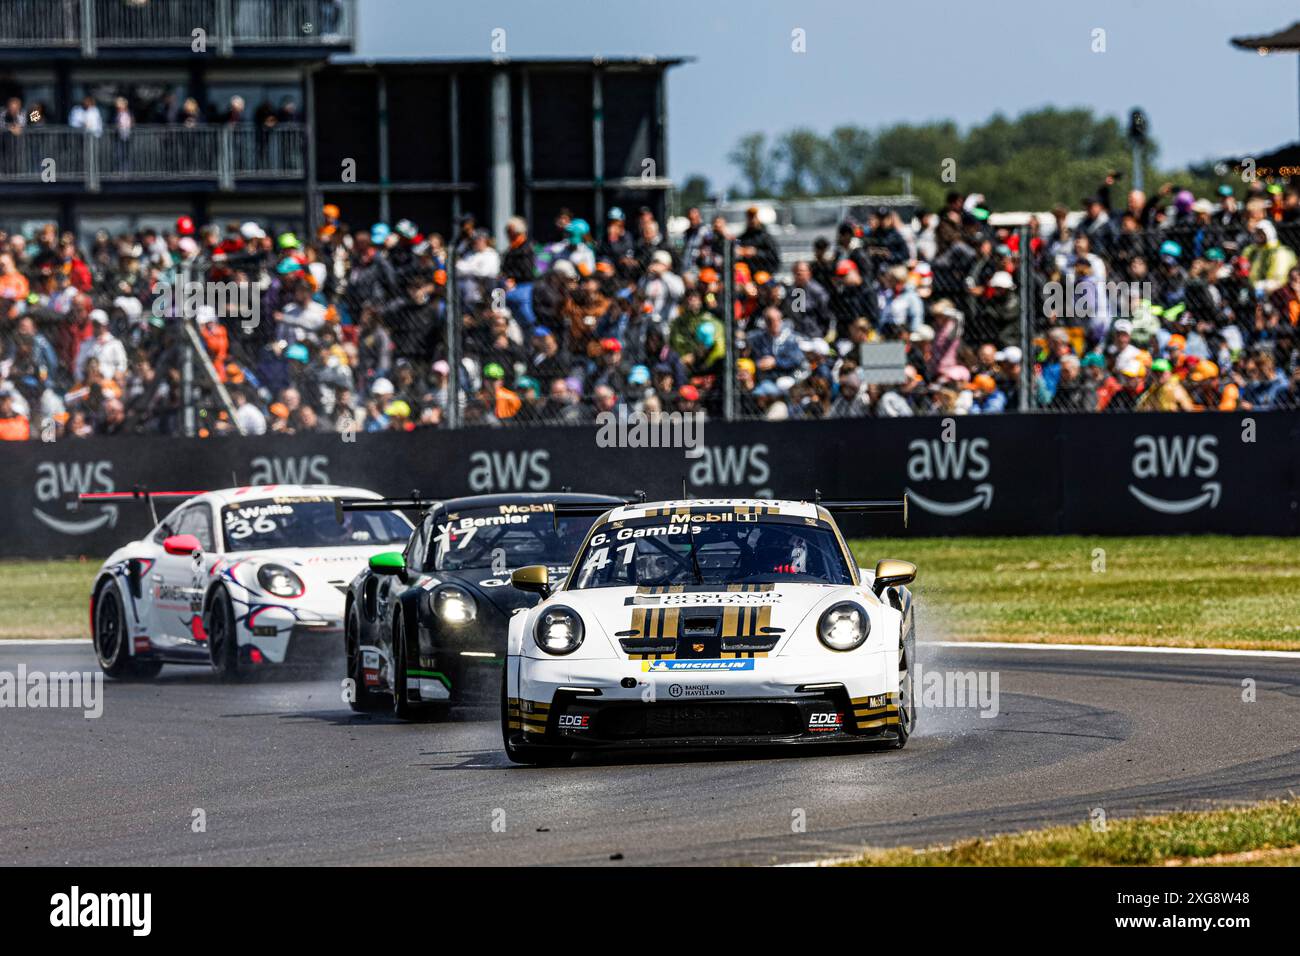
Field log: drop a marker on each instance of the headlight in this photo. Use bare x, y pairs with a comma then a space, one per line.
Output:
278, 580
843, 627
558, 631
454, 605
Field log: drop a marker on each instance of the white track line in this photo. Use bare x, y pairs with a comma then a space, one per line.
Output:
23, 642
1119, 648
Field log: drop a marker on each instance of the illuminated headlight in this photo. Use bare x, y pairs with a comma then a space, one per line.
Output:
278, 580
558, 631
453, 605
843, 627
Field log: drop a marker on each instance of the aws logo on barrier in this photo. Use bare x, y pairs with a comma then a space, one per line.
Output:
961, 461
57, 486
1176, 456
299, 470
491, 471
731, 466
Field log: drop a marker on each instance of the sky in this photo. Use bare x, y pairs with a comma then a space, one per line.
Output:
874, 63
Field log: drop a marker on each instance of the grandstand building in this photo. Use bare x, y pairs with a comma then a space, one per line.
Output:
259, 109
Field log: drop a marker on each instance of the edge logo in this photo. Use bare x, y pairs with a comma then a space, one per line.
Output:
1176, 456
56, 480
966, 459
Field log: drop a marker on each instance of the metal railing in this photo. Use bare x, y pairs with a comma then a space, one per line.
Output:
224, 154
220, 25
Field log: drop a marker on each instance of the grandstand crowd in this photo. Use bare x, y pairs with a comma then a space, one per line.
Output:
1163, 303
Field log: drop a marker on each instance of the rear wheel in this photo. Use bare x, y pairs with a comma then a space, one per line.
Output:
364, 700
111, 639
223, 640
403, 707
523, 753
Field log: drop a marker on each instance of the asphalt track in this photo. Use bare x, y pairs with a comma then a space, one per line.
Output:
285, 773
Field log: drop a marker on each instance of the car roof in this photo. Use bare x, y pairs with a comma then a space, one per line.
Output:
759, 506
529, 497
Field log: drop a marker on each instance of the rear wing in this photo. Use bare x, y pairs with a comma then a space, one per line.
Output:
851, 506
413, 503
138, 493
593, 509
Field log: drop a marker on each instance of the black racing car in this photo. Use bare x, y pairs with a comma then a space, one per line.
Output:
426, 627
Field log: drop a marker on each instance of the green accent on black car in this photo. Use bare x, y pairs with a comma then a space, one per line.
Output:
390, 562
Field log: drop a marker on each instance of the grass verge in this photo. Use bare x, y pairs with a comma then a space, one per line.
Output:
45, 599
1178, 592
1267, 834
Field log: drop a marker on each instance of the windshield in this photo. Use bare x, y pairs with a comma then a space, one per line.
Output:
505, 537
712, 549
307, 523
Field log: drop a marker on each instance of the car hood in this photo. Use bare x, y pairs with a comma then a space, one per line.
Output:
325, 572
496, 591
764, 616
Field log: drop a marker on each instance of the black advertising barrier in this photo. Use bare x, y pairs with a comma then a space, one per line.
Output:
1040, 474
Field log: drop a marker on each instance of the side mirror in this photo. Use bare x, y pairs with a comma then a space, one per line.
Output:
534, 579
891, 573
390, 562
182, 545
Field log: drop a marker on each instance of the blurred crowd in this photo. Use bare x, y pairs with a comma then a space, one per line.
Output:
1168, 302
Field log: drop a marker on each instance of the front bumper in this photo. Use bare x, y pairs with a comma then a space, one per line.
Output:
281, 637
620, 704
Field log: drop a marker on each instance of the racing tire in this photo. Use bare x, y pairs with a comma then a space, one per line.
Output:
110, 639
403, 707
364, 700
523, 753
223, 638
906, 691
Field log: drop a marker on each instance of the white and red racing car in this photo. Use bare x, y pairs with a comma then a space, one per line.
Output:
237, 579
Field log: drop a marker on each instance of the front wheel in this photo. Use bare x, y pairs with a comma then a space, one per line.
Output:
403, 707
906, 691
523, 753
111, 639
223, 640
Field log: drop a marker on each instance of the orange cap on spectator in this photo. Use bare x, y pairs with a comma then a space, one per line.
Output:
762, 278
331, 211
279, 410
708, 275
1177, 341
984, 383
440, 277
1204, 371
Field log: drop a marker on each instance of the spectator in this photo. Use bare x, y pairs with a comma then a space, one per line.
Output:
103, 347
14, 426
86, 116
754, 246
775, 347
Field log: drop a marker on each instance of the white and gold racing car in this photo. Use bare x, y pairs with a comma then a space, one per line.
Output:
712, 623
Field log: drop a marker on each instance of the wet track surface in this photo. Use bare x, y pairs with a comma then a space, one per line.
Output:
286, 773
